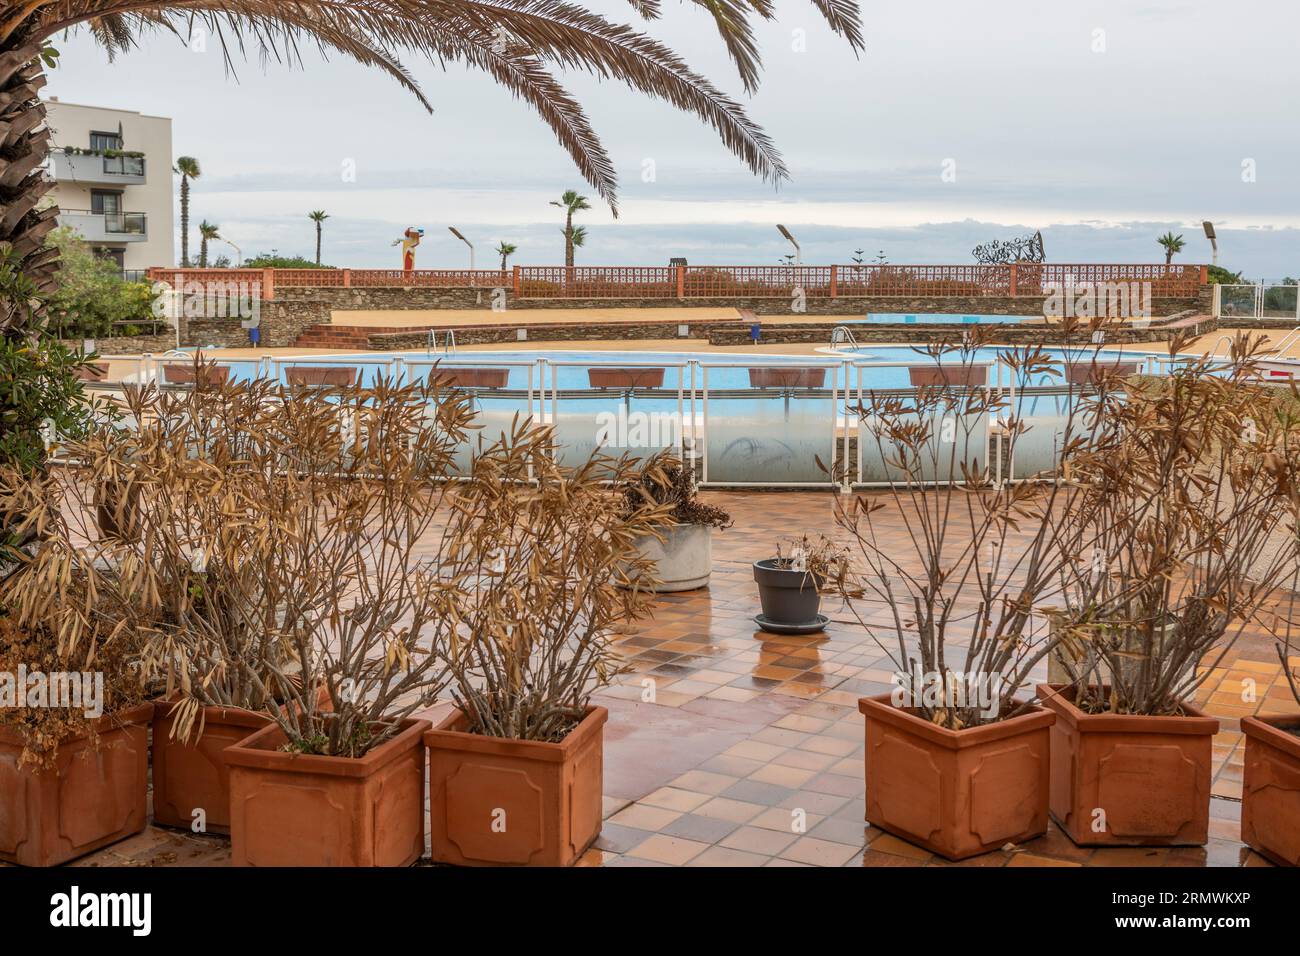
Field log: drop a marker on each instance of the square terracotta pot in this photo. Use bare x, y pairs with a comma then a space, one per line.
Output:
956, 792
1126, 780
95, 795
307, 810
514, 802
1270, 791
193, 775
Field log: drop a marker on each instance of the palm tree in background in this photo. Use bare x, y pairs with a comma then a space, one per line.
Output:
1173, 245
505, 250
518, 42
207, 232
318, 217
571, 202
577, 239
188, 168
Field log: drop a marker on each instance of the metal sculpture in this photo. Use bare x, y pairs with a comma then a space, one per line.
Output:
1024, 249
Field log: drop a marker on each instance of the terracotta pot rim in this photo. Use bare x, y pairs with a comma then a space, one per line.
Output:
255, 751
215, 713
1268, 730
126, 717
443, 737
1193, 723
881, 708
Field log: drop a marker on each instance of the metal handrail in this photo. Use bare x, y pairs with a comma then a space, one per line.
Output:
1288, 340
843, 333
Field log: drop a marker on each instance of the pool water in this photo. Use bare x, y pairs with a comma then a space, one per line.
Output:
568, 369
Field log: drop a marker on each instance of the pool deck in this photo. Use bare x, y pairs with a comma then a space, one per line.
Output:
745, 728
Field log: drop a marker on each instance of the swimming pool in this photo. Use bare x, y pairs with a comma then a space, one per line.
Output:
569, 370
752, 418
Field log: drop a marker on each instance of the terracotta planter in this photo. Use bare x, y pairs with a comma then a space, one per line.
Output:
208, 375
313, 376
625, 377
193, 775
957, 793
305, 810
514, 802
92, 372
455, 377
967, 376
787, 377
1125, 780
95, 795
1094, 373
1270, 791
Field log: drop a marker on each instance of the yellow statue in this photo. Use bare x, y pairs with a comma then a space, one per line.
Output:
408, 244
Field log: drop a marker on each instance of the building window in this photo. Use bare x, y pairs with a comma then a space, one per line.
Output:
105, 141
105, 203
114, 255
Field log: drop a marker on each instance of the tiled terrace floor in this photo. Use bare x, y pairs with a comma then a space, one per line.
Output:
746, 729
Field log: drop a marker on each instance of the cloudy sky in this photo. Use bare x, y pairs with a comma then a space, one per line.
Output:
1102, 123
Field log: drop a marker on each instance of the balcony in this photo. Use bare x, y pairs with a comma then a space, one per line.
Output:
106, 227
98, 169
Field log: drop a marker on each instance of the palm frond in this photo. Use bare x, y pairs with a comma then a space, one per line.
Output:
514, 41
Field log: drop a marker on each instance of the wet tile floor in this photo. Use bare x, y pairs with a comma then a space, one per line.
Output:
750, 751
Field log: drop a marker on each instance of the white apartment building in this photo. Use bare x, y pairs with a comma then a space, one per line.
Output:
113, 173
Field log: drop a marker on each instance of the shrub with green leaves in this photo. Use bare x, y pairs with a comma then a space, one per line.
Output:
91, 294
39, 380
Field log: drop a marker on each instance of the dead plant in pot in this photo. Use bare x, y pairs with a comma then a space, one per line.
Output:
73, 713
515, 773
1189, 536
682, 552
951, 561
1270, 787
257, 507
790, 586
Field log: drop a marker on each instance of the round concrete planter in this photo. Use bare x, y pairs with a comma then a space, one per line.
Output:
683, 559
788, 597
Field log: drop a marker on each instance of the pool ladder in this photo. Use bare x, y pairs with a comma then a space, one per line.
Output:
843, 334
448, 342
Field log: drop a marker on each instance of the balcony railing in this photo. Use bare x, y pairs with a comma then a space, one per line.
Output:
105, 227
124, 165
98, 169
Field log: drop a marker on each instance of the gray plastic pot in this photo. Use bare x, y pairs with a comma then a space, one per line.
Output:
788, 597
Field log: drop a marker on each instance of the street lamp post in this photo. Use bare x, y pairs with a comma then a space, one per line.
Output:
1214, 245
798, 253
457, 233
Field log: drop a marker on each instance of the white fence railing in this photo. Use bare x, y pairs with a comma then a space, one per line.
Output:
1259, 301
803, 424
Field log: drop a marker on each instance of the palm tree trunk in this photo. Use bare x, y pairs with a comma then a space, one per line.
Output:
568, 239
318, 232
203, 253
1169, 256
24, 145
185, 221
